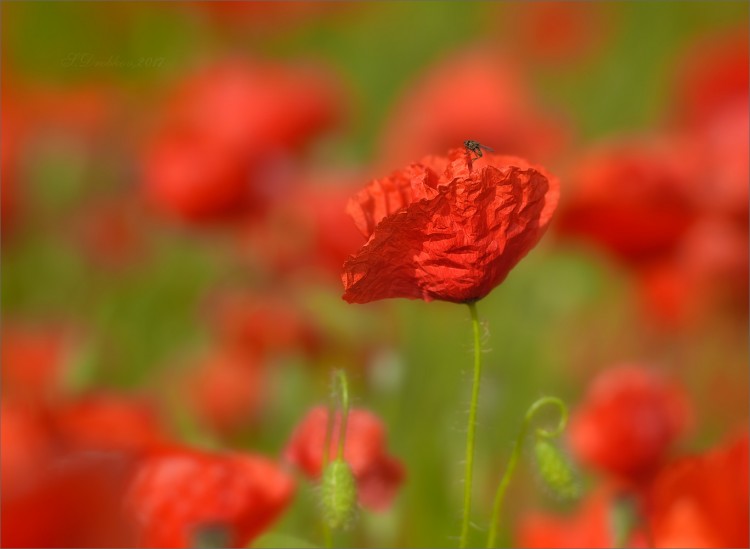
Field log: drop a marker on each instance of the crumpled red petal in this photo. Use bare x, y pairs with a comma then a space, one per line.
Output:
452, 236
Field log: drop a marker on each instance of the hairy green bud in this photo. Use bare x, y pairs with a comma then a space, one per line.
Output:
555, 469
338, 491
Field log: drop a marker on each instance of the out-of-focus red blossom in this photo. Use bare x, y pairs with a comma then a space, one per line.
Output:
35, 358
634, 199
226, 391
589, 526
109, 422
709, 267
377, 474
708, 273
24, 438
229, 133
712, 77
309, 231
447, 228
715, 254
14, 125
471, 95
703, 501
110, 233
667, 295
559, 33
723, 143
627, 422
262, 324
178, 496
190, 177
86, 110
65, 469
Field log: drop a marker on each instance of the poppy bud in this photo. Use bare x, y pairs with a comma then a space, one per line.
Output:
338, 494
555, 469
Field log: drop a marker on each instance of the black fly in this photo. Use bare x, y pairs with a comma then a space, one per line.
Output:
476, 147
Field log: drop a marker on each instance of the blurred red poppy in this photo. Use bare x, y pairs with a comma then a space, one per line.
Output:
590, 525
14, 122
447, 228
627, 422
226, 391
707, 275
634, 199
712, 76
378, 475
703, 501
36, 358
471, 95
229, 133
26, 444
308, 234
557, 33
262, 324
187, 498
65, 469
109, 422
86, 111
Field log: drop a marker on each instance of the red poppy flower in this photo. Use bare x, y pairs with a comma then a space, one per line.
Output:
67, 470
712, 77
633, 199
722, 143
181, 497
557, 33
447, 228
194, 178
109, 422
590, 526
75, 500
309, 233
471, 95
378, 475
703, 501
263, 325
226, 391
708, 274
86, 111
627, 422
26, 444
228, 133
35, 359
14, 124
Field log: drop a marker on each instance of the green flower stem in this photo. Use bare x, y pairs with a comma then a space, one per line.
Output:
516, 455
327, 536
344, 399
471, 427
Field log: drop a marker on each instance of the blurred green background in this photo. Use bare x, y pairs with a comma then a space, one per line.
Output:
560, 316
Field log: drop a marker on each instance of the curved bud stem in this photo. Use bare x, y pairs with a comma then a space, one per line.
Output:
516, 455
540, 403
